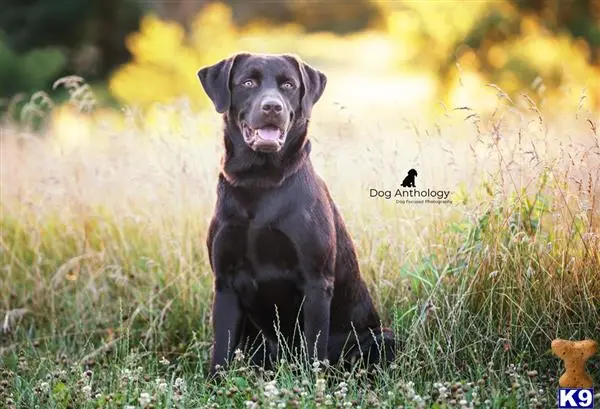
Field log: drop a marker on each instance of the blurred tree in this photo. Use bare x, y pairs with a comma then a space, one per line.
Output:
548, 46
88, 33
337, 16
28, 72
87, 37
32, 24
525, 43
179, 11
581, 18
509, 42
166, 58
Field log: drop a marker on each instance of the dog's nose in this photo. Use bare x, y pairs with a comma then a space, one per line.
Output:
271, 106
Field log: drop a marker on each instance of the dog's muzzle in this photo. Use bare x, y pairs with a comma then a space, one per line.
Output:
269, 138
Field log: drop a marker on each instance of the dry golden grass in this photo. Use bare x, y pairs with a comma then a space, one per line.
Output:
103, 229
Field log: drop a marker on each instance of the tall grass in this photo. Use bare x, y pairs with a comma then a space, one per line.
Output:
104, 263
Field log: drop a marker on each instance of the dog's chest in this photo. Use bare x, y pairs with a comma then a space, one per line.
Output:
266, 265
270, 267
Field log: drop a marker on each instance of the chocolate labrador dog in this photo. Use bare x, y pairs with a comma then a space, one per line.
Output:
286, 274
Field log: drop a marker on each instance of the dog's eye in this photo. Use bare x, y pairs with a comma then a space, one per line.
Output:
288, 85
249, 83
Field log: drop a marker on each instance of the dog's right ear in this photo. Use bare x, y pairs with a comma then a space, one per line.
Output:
215, 81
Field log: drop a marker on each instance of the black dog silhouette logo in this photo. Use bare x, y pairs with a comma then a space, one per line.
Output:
409, 180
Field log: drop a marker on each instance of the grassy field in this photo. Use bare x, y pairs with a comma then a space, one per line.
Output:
105, 288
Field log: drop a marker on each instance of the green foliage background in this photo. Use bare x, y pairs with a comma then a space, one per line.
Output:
41, 40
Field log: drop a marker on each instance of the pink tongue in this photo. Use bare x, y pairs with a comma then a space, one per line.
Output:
269, 134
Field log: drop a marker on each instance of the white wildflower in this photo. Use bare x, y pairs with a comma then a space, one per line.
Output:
161, 384
87, 391
45, 387
271, 391
320, 385
238, 355
144, 399
180, 384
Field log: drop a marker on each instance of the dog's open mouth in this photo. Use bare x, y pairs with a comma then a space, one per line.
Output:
269, 138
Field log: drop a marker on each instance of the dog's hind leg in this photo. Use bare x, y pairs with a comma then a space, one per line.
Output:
376, 346
380, 348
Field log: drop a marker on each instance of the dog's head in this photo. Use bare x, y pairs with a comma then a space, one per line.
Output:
412, 173
265, 96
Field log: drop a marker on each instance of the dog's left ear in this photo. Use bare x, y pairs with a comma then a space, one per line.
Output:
313, 84
215, 81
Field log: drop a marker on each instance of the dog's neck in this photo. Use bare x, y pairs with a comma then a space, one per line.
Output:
242, 167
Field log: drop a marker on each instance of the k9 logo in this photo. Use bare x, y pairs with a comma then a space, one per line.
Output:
569, 398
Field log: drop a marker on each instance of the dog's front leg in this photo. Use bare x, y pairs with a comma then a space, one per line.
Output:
226, 316
226, 247
316, 309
